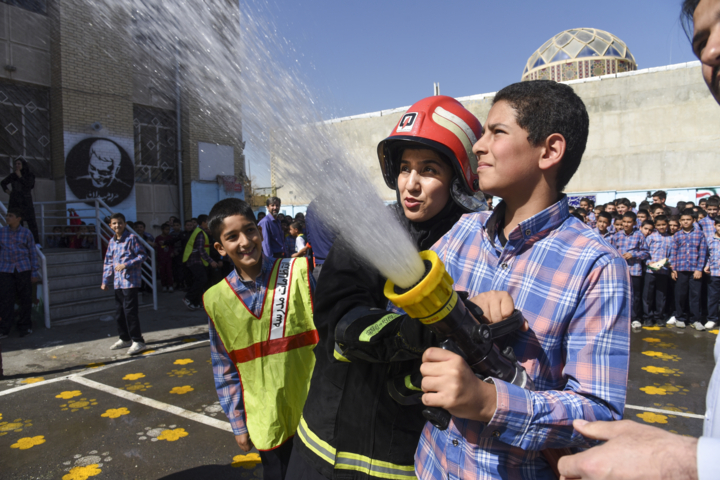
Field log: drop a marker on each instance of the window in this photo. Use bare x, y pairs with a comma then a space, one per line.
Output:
24, 128
37, 6
155, 149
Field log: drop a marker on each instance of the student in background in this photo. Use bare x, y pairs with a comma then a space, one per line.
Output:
647, 227
673, 224
712, 268
631, 245
296, 231
603, 225
657, 275
687, 260
164, 246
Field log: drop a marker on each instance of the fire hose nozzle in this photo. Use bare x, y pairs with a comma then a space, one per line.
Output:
432, 298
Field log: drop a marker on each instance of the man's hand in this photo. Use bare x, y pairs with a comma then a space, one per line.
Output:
449, 383
120, 267
674, 275
697, 274
103, 286
631, 451
627, 256
496, 306
244, 442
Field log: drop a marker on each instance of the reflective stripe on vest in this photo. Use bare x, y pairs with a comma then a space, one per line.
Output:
191, 243
273, 353
352, 461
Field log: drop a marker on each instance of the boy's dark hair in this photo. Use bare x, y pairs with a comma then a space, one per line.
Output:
202, 219
717, 219
164, 225
15, 211
273, 201
117, 216
176, 222
702, 200
648, 222
195, 220
227, 208
605, 215
625, 201
644, 205
581, 211
661, 218
299, 226
656, 206
140, 222
572, 209
687, 204
712, 202
681, 205
616, 217
189, 220
642, 210
630, 214
660, 194
688, 212
673, 218
577, 215
544, 107
686, 17
589, 202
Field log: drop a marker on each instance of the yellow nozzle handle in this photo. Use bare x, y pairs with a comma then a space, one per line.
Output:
432, 298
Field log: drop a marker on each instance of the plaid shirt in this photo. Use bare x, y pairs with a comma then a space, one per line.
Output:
688, 251
591, 219
17, 251
605, 235
198, 253
713, 260
129, 251
707, 225
659, 246
574, 290
227, 378
635, 245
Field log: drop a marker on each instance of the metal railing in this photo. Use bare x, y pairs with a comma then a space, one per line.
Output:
43, 270
97, 213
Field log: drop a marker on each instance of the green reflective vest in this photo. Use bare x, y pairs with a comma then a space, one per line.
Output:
191, 242
273, 353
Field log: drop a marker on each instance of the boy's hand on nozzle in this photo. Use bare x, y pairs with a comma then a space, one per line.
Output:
244, 442
497, 306
449, 383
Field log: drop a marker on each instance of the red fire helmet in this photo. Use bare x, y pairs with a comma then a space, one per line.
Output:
443, 124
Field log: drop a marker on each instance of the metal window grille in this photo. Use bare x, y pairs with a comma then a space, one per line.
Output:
25, 127
155, 145
37, 6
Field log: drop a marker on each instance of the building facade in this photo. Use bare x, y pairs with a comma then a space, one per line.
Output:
98, 113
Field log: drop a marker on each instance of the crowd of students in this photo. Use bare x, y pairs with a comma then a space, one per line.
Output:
673, 255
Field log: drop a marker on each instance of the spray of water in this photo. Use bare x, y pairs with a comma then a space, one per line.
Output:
233, 59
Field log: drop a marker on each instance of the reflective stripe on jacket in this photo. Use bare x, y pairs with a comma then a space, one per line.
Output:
273, 353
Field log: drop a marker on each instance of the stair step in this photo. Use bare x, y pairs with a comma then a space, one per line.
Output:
75, 294
65, 269
95, 316
59, 257
75, 281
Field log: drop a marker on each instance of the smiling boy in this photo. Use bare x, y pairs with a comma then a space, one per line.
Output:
262, 337
571, 286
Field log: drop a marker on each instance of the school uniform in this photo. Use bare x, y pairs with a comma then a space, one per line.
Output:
635, 245
687, 256
18, 266
656, 281
713, 262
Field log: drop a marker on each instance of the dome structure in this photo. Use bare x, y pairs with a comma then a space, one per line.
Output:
579, 53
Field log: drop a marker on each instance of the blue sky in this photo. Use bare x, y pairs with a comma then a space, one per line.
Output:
372, 55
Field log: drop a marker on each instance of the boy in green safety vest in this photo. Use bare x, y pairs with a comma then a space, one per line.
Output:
197, 258
262, 337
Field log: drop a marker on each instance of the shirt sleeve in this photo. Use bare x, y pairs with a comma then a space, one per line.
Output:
597, 346
227, 382
707, 463
108, 264
299, 243
702, 252
641, 252
673, 253
33, 255
137, 252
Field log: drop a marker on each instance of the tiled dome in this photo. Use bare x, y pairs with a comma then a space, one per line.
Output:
579, 53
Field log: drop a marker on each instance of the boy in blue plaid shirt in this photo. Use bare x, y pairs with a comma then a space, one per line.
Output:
687, 260
123, 261
657, 276
712, 268
630, 242
18, 271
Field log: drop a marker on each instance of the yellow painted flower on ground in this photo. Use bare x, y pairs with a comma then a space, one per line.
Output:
16, 425
80, 404
137, 387
651, 340
188, 340
651, 417
182, 372
183, 361
173, 435
133, 376
662, 370
662, 356
69, 394
715, 331
147, 352
28, 381
94, 365
28, 442
82, 473
182, 390
246, 461
654, 390
651, 328
115, 412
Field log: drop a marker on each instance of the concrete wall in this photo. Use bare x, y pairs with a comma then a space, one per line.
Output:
649, 129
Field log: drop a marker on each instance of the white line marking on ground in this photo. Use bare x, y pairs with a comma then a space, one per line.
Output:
166, 407
104, 367
665, 412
